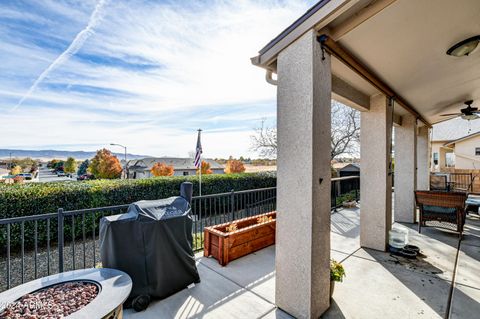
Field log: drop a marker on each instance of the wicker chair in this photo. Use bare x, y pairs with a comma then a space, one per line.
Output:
441, 209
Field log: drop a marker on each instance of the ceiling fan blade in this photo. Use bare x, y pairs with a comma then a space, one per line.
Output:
452, 114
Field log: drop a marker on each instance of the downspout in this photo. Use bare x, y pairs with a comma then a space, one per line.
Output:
269, 78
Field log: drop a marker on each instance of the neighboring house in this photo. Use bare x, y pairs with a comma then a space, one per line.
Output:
141, 168
456, 144
347, 169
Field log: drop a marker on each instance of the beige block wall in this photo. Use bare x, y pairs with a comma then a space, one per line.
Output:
465, 157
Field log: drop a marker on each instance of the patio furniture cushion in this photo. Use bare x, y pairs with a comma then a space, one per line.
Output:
438, 209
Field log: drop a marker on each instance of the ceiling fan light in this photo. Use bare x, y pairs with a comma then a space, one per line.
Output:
469, 117
464, 47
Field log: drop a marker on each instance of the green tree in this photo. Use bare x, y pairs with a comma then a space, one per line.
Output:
105, 165
70, 165
25, 163
59, 165
82, 169
51, 164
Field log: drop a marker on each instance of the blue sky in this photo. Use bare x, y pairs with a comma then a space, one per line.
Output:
79, 74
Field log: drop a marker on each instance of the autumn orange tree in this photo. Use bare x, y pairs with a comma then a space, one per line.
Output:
105, 165
205, 168
234, 166
162, 169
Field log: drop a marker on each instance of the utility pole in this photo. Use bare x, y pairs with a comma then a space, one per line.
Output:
125, 149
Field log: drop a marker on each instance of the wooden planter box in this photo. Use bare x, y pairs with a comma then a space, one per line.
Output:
249, 237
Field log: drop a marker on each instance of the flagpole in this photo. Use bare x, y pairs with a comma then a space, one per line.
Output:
200, 160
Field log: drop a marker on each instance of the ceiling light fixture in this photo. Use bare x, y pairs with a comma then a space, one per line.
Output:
470, 117
464, 47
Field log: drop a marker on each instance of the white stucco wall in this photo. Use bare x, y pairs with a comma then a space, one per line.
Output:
465, 157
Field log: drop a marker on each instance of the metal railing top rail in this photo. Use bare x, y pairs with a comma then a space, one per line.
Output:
344, 178
19, 219
96, 209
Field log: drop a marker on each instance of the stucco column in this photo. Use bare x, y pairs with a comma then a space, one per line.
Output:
375, 178
423, 157
405, 169
303, 179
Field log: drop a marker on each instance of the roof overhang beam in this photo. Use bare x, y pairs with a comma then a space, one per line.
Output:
335, 49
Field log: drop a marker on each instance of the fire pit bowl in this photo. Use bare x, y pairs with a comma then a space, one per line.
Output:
103, 293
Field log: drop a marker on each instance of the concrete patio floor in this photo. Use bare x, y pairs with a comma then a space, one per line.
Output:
444, 283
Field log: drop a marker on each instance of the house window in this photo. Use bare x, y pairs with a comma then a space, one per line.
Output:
477, 151
185, 173
450, 160
435, 158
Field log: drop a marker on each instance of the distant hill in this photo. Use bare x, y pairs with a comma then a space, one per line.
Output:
51, 154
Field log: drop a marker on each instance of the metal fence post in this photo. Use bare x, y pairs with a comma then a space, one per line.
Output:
60, 239
335, 196
232, 203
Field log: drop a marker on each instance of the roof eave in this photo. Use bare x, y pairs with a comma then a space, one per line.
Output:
317, 17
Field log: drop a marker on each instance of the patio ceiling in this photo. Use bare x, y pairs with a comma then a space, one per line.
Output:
404, 42
405, 45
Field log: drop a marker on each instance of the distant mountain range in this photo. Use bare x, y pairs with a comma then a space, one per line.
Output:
51, 154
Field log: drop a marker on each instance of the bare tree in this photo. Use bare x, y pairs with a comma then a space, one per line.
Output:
345, 136
265, 140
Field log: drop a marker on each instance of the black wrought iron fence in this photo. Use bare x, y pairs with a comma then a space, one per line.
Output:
41, 245
344, 189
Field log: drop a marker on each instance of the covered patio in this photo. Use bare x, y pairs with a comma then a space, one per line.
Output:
378, 285
387, 59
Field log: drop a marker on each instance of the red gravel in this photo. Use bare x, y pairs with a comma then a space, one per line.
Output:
53, 302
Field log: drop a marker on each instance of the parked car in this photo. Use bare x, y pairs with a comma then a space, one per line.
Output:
85, 177
61, 174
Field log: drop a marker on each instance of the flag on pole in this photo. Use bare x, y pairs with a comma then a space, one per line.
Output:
198, 153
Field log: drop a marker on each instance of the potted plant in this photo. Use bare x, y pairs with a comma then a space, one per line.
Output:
337, 272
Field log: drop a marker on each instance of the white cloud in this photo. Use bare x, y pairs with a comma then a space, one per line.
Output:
196, 59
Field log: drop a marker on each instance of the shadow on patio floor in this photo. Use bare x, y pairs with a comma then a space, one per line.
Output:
377, 285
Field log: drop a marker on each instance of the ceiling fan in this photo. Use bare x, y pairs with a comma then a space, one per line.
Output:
467, 113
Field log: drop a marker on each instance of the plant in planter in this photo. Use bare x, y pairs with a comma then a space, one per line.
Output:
264, 219
337, 273
231, 228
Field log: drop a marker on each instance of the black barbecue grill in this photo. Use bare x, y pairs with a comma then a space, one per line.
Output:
152, 243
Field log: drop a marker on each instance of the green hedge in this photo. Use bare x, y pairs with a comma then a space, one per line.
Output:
38, 198
44, 198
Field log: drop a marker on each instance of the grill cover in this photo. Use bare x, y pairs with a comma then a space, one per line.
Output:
152, 243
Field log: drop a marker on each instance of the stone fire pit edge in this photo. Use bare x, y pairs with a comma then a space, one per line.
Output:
115, 289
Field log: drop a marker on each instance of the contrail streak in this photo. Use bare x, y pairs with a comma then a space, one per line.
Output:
73, 48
